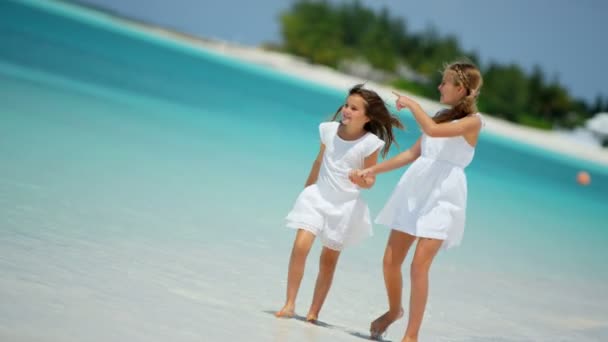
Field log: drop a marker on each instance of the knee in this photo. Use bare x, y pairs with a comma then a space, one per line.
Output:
300, 251
390, 264
328, 261
419, 269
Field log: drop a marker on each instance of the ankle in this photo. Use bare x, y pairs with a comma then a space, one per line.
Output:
312, 317
313, 312
395, 313
410, 337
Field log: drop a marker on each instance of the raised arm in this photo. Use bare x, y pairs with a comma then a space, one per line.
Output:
462, 127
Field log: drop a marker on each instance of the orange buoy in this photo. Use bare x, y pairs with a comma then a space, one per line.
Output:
583, 178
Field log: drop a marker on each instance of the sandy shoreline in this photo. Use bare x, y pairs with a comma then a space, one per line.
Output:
297, 67
294, 66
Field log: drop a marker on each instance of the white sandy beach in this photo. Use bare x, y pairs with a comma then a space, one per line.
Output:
139, 203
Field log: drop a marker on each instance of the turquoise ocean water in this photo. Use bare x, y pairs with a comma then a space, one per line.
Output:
143, 185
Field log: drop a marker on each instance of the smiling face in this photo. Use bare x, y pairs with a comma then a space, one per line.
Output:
354, 111
451, 91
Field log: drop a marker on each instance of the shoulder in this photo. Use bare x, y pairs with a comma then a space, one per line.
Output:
371, 144
480, 118
328, 126
373, 139
326, 129
474, 120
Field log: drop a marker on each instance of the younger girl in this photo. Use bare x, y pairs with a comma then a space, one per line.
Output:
429, 201
330, 206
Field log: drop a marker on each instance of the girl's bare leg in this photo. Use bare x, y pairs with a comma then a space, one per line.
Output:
426, 250
327, 268
297, 261
396, 250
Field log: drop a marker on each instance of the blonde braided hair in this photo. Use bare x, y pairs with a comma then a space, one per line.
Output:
469, 76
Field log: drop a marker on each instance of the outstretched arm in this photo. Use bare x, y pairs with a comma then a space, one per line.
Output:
316, 165
369, 180
430, 127
397, 161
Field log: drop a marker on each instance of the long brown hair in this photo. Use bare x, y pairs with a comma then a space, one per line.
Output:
381, 121
467, 75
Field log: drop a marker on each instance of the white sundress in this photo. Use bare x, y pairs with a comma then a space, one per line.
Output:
431, 197
332, 208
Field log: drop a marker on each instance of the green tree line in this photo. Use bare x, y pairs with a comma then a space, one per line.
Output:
328, 33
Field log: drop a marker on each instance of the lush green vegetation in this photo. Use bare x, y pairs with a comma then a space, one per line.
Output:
328, 33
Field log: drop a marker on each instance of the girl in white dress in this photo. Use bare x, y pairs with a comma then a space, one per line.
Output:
429, 202
330, 206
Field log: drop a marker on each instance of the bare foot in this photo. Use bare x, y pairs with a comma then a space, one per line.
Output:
380, 324
409, 339
312, 318
288, 311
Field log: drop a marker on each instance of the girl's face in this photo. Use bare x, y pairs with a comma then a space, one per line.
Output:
451, 93
353, 111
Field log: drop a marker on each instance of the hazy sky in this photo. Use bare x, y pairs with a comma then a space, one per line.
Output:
567, 38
